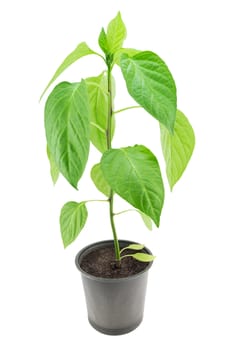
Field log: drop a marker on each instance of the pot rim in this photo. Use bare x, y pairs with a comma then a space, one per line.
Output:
105, 279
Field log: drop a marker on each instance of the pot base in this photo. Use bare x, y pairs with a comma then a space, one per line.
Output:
114, 331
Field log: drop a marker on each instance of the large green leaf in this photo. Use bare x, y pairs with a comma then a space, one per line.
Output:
98, 97
97, 177
80, 51
177, 148
134, 174
116, 34
54, 171
72, 220
151, 84
67, 125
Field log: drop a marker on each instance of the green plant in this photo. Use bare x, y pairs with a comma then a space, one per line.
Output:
79, 113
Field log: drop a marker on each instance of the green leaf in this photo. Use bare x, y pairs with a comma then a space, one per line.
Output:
97, 177
134, 174
98, 97
120, 52
80, 51
67, 126
177, 148
72, 220
151, 85
143, 257
116, 34
146, 219
103, 41
134, 247
54, 171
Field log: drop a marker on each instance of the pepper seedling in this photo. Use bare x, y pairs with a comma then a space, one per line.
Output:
82, 112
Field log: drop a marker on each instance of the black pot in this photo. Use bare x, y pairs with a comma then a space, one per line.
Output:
115, 305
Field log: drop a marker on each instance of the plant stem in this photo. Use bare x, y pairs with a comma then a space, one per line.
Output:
109, 125
126, 109
116, 243
109, 145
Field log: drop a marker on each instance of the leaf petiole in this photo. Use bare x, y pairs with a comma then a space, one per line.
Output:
125, 109
126, 255
98, 54
95, 200
124, 211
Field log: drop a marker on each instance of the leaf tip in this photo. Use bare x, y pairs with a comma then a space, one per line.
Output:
157, 222
42, 95
172, 184
65, 243
73, 184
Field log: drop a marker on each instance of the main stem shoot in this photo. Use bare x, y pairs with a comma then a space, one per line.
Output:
109, 146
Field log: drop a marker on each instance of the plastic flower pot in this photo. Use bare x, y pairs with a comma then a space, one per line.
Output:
114, 305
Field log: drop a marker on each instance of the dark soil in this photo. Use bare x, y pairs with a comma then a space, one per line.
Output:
101, 263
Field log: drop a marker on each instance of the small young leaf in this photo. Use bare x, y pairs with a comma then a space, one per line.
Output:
80, 51
72, 220
67, 126
177, 148
98, 97
134, 174
151, 84
103, 41
135, 247
97, 177
147, 220
116, 34
143, 257
54, 171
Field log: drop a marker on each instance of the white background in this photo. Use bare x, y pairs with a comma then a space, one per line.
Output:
189, 301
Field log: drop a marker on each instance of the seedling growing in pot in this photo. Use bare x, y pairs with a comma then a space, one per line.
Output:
79, 113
